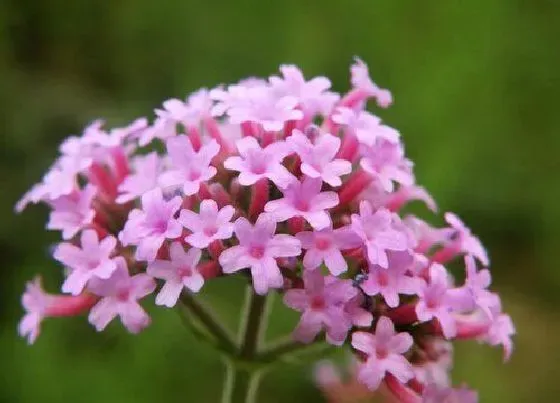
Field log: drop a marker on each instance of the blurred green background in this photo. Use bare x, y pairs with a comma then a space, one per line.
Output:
476, 86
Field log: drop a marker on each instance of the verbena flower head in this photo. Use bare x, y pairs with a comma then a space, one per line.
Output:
291, 186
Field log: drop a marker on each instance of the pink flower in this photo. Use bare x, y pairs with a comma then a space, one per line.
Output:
464, 241
426, 235
385, 161
162, 129
40, 305
209, 225
392, 281
317, 160
91, 260
73, 212
150, 227
254, 162
189, 168
439, 301
322, 303
366, 127
501, 330
384, 351
120, 294
312, 95
145, 178
361, 80
394, 201
261, 106
325, 246
380, 233
258, 248
477, 283
304, 199
178, 272
192, 111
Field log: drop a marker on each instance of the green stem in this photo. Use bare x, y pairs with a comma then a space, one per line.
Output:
241, 384
210, 323
255, 319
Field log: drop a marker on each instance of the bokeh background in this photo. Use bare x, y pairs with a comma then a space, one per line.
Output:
476, 86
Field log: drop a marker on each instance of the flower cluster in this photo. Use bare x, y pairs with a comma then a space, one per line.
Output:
287, 181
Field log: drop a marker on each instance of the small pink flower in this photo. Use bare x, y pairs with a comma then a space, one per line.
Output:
322, 303
312, 95
189, 168
317, 160
325, 246
464, 241
40, 305
208, 225
384, 351
178, 272
145, 178
120, 294
191, 112
150, 227
379, 233
361, 80
366, 127
385, 161
258, 248
439, 301
254, 162
426, 235
392, 281
261, 106
500, 331
91, 260
73, 212
477, 283
304, 199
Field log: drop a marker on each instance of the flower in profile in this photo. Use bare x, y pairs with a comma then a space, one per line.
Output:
189, 168
119, 297
384, 351
179, 271
255, 163
209, 225
149, 227
39, 305
72, 213
464, 241
361, 81
304, 199
258, 249
91, 260
379, 233
318, 160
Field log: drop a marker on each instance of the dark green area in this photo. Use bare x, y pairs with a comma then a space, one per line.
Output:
475, 85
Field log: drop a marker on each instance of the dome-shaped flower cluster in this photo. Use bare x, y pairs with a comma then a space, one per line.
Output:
286, 180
